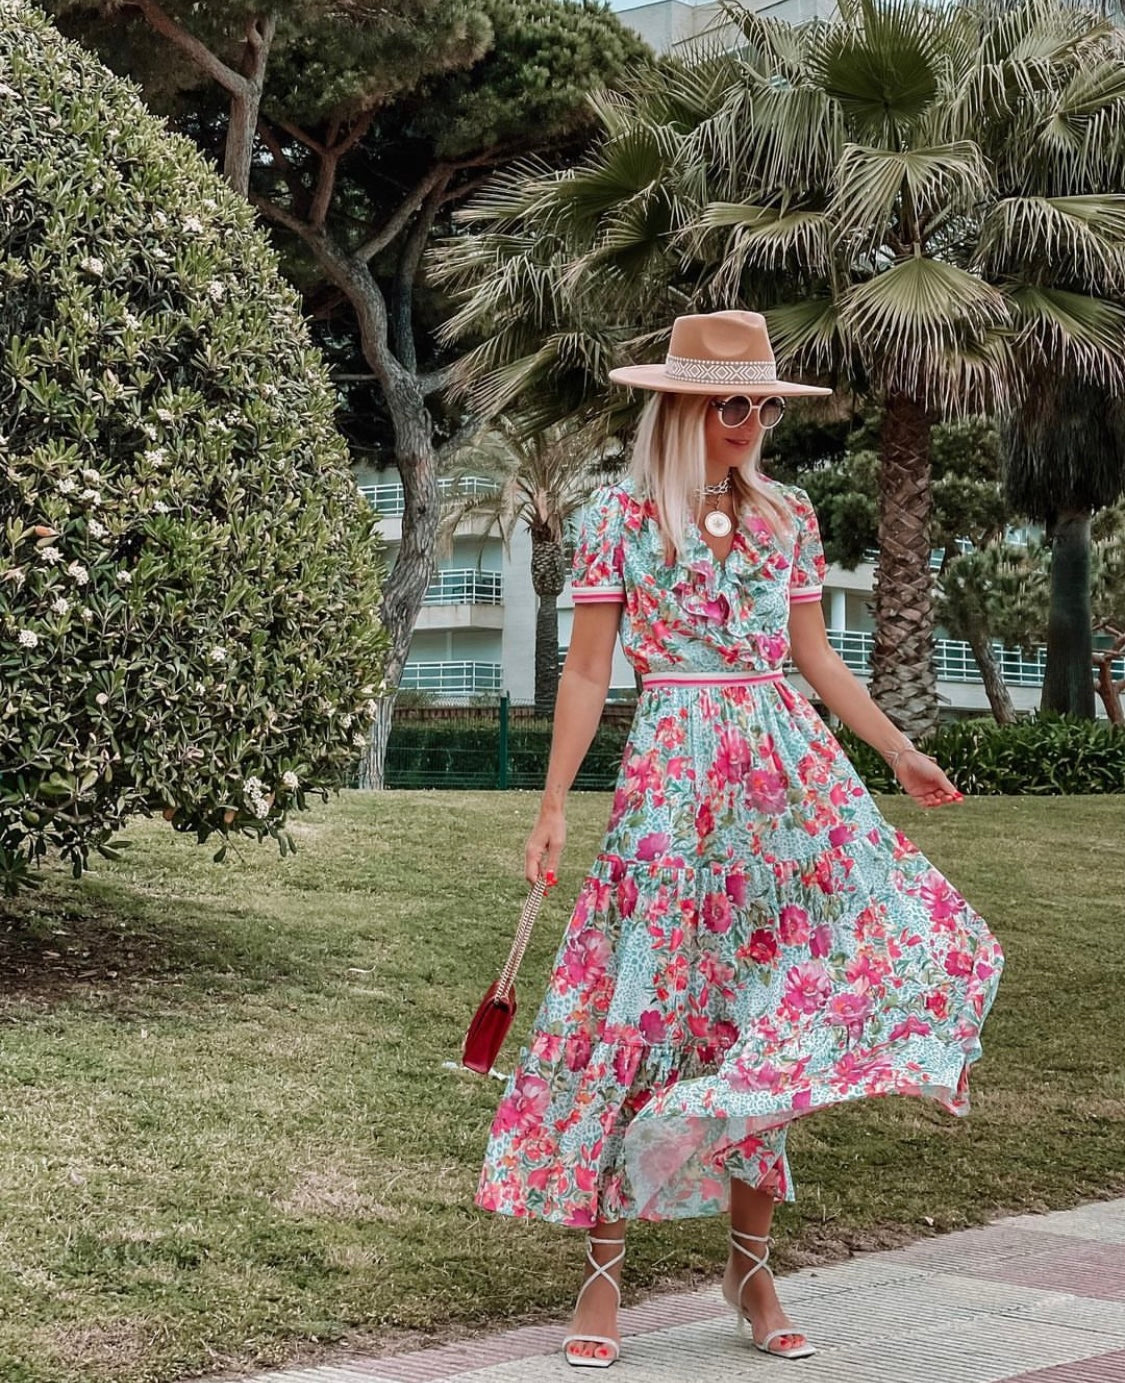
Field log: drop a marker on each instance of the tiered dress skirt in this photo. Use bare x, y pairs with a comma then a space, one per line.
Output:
753, 942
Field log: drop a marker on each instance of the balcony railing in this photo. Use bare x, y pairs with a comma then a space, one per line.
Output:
465, 586
451, 679
388, 497
1014, 537
953, 659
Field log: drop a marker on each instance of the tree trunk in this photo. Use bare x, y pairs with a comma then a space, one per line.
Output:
1109, 688
246, 102
416, 458
1068, 684
548, 577
995, 688
902, 671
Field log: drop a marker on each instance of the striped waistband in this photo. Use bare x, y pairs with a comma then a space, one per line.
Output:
709, 679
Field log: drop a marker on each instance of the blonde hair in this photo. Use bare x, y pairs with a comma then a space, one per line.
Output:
669, 465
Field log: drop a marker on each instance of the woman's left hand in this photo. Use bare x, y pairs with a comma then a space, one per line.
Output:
922, 777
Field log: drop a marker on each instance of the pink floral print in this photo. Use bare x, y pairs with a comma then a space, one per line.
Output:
753, 941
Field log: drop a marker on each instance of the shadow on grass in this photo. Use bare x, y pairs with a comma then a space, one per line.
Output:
104, 941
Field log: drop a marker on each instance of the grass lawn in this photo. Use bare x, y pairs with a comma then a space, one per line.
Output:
228, 1138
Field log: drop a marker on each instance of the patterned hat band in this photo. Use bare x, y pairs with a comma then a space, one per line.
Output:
720, 371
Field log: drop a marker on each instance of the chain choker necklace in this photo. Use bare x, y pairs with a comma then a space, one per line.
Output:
715, 521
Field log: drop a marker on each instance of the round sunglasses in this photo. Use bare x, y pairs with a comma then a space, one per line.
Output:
734, 411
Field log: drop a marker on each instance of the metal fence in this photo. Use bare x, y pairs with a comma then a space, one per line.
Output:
494, 744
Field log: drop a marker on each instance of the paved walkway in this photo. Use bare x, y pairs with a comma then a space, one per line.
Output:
1034, 1298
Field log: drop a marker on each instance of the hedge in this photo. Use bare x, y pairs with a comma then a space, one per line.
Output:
1041, 754
189, 579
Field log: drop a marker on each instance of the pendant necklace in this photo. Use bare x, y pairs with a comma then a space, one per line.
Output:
715, 521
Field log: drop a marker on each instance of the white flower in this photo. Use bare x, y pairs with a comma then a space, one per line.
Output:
61, 605
359, 740
92, 496
217, 655
165, 415
50, 554
79, 572
193, 225
28, 638
159, 506
124, 578
289, 780
256, 797
346, 720
91, 476
101, 698
66, 485
87, 613
97, 530
210, 204
151, 431
216, 290
132, 320
159, 218
269, 391
93, 265
156, 456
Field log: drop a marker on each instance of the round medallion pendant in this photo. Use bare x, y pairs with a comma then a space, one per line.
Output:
717, 523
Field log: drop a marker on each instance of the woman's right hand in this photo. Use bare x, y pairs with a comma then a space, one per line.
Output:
544, 846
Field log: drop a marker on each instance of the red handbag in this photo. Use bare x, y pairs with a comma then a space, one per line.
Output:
493, 1017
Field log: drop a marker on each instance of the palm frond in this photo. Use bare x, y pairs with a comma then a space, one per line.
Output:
917, 318
808, 335
878, 189
768, 238
884, 68
1086, 233
1070, 331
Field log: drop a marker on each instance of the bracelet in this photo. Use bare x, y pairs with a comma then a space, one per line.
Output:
893, 757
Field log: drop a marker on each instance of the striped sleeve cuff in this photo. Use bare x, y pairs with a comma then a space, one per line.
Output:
588, 594
800, 594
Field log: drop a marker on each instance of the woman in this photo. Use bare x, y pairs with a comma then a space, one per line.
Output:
753, 941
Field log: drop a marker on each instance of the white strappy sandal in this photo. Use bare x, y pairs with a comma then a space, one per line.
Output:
590, 1361
794, 1351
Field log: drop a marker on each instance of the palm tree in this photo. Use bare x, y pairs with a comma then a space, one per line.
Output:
541, 477
1066, 460
921, 199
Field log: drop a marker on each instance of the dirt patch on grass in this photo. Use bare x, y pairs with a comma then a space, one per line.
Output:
328, 1191
49, 947
109, 1351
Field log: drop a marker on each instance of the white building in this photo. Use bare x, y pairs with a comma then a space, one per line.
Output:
668, 25
476, 633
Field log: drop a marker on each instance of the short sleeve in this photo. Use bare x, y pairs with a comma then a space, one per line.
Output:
806, 573
598, 569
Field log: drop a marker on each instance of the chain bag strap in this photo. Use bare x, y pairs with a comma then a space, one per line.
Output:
494, 1015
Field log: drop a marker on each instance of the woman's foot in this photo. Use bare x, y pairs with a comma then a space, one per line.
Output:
596, 1310
759, 1302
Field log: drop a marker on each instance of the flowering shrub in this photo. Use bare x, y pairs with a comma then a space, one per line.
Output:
188, 577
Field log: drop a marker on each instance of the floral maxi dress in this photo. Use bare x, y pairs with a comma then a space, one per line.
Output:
754, 941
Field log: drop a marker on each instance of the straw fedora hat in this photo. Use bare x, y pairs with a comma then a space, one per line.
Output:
714, 353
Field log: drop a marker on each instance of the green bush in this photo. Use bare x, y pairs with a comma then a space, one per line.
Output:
188, 576
1046, 754
1042, 754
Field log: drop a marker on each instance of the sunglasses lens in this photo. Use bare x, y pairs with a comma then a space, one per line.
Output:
771, 412
735, 411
